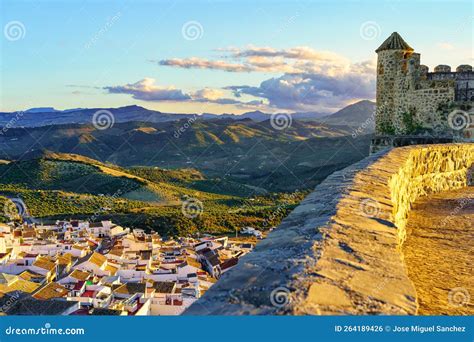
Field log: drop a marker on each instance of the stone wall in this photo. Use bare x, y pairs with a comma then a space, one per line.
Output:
338, 252
425, 103
428, 170
410, 100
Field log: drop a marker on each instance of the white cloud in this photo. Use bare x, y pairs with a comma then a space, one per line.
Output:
306, 92
146, 90
266, 59
208, 94
309, 79
445, 46
201, 63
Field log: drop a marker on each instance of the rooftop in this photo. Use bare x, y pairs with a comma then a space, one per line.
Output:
394, 42
131, 288
79, 275
164, 286
95, 258
32, 306
19, 285
44, 263
51, 290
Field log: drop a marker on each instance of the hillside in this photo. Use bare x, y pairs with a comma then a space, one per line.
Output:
244, 173
45, 170
9, 212
355, 115
44, 116
58, 186
37, 117
230, 152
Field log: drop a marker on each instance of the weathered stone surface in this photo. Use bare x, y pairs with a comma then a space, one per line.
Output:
339, 251
410, 99
439, 252
326, 294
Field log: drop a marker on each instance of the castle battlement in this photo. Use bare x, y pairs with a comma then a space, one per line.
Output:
411, 100
463, 79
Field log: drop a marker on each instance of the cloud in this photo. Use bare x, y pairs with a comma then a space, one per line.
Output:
300, 52
266, 59
305, 92
311, 80
146, 90
306, 80
208, 94
214, 96
200, 63
445, 46
82, 86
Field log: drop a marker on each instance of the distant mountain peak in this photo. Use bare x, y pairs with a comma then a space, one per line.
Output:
42, 110
255, 112
355, 115
352, 115
132, 107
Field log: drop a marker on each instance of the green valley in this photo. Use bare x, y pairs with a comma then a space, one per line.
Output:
241, 173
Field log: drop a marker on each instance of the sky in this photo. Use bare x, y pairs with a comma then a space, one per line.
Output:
215, 56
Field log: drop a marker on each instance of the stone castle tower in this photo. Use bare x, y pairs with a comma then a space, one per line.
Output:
411, 101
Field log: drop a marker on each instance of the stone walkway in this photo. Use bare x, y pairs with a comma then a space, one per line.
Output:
439, 252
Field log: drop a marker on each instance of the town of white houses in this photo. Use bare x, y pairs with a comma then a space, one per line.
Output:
100, 268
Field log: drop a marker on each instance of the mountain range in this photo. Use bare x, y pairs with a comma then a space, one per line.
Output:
140, 170
353, 115
244, 151
61, 185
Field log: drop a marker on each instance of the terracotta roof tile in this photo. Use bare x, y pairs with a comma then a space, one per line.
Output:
44, 263
51, 290
79, 275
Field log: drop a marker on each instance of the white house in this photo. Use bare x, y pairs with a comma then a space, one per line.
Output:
251, 231
100, 229
95, 263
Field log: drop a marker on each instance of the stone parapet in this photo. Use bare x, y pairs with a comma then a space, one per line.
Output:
339, 251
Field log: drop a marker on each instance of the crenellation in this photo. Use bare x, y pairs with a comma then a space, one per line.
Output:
411, 100
442, 68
